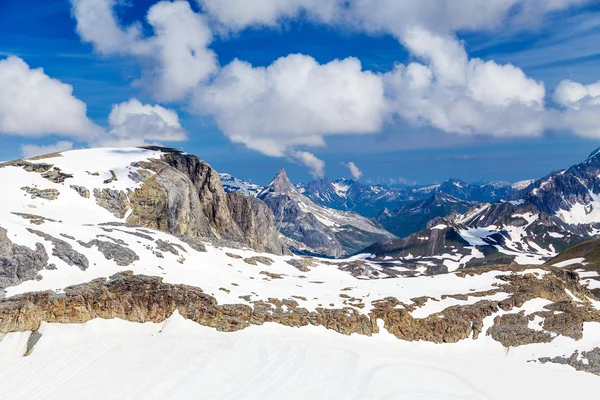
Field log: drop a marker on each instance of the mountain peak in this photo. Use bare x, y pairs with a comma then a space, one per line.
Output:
281, 183
594, 154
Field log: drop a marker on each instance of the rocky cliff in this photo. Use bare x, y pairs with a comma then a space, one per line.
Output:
322, 230
143, 298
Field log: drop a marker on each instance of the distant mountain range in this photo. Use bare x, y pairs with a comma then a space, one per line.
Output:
369, 200
412, 217
400, 210
540, 221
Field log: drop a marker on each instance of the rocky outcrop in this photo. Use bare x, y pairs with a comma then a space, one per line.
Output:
56, 175
141, 298
586, 361
64, 250
113, 251
47, 194
19, 263
115, 201
183, 195
255, 219
83, 192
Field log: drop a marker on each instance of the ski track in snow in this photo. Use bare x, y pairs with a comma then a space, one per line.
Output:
178, 359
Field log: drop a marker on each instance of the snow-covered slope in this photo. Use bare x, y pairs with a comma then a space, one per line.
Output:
177, 293
178, 359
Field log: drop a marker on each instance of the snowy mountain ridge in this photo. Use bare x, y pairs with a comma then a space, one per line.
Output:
103, 272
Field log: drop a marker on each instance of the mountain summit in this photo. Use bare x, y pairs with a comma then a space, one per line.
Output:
280, 184
317, 229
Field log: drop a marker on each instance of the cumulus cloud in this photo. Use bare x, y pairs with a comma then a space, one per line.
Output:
294, 101
33, 104
32, 150
354, 170
97, 23
297, 101
579, 110
316, 166
389, 16
574, 95
133, 123
238, 14
454, 94
175, 59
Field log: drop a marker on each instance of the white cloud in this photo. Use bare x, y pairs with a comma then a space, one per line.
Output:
388, 16
238, 14
580, 108
133, 123
354, 170
458, 95
175, 58
32, 150
97, 24
316, 166
33, 104
574, 95
294, 101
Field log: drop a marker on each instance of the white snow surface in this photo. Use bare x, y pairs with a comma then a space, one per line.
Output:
178, 359
572, 261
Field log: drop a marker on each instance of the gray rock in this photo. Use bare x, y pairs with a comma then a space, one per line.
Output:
64, 250
302, 264
115, 201
113, 177
185, 197
27, 166
34, 219
166, 247
193, 243
256, 221
19, 263
82, 191
587, 361
258, 259
112, 251
47, 194
56, 175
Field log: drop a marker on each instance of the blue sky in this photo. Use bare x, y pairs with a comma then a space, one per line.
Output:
561, 45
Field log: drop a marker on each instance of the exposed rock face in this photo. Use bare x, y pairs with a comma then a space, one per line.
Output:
210, 193
47, 194
323, 231
113, 251
512, 330
56, 175
141, 298
83, 192
184, 196
115, 201
64, 250
27, 166
34, 219
587, 361
255, 219
19, 263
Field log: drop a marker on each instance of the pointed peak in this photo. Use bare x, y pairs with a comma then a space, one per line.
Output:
281, 183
